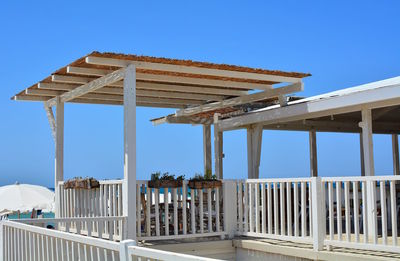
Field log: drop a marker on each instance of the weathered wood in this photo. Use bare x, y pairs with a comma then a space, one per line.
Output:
254, 143
129, 188
90, 86
218, 149
207, 148
249, 98
189, 69
59, 153
172, 79
52, 121
395, 149
362, 161
313, 154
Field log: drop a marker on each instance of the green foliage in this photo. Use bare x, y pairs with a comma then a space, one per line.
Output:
165, 176
155, 175
207, 176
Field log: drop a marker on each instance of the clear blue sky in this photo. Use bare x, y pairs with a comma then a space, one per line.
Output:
342, 43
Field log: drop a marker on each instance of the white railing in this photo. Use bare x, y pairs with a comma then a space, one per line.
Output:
20, 241
275, 208
178, 212
363, 212
101, 202
110, 228
163, 213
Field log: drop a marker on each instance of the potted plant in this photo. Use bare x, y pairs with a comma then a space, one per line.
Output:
204, 182
165, 180
81, 183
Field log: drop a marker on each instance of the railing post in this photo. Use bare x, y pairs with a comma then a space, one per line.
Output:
230, 207
2, 240
123, 249
318, 218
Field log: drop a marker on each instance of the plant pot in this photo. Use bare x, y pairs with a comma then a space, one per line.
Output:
204, 184
165, 183
79, 183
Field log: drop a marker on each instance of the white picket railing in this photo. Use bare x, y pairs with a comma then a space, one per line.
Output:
20, 241
275, 208
363, 212
161, 213
111, 228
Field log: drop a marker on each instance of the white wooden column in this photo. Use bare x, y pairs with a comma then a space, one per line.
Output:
254, 140
366, 126
395, 147
59, 153
129, 185
218, 149
207, 148
313, 154
362, 155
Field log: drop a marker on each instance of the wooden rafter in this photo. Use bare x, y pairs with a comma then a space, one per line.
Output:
242, 100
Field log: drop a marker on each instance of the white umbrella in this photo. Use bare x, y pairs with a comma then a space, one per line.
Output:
25, 197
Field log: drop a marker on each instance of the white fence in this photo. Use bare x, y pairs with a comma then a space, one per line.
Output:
27, 242
161, 213
275, 208
363, 212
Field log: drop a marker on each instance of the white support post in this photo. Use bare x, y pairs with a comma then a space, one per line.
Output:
395, 147
362, 155
318, 217
366, 125
207, 148
2, 242
129, 185
218, 149
313, 154
230, 207
59, 153
254, 140
123, 249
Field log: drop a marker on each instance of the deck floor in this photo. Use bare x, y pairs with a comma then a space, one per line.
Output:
225, 249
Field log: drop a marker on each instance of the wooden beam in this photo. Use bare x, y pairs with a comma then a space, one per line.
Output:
59, 153
395, 149
362, 161
254, 142
129, 184
69, 87
207, 148
242, 99
218, 149
313, 154
386, 95
182, 120
173, 79
66, 79
52, 121
190, 69
90, 86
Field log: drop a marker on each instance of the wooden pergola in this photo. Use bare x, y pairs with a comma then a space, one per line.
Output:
201, 92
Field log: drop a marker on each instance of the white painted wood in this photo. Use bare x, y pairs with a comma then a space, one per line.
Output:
289, 208
257, 207
263, 209
331, 213
230, 207
276, 213
209, 210
207, 148
364, 211
313, 154
282, 208
347, 209
184, 207
366, 126
189, 69
201, 209
356, 204
339, 209
240, 206
138, 211
59, 152
296, 208
318, 214
362, 161
251, 208
382, 187
157, 210
393, 205
91, 86
218, 149
303, 222
217, 209
172, 79
192, 209
52, 121
166, 211
254, 142
395, 149
175, 203
129, 188
324, 105
249, 98
148, 211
